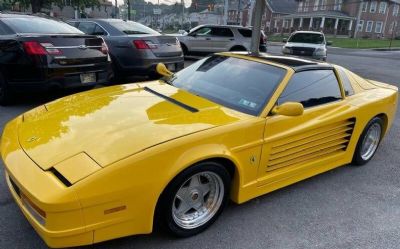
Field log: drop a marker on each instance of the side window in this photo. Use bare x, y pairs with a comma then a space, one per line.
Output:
245, 32
74, 24
99, 30
222, 32
87, 27
312, 88
205, 31
348, 89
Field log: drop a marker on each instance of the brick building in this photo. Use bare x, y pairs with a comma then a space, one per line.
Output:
354, 18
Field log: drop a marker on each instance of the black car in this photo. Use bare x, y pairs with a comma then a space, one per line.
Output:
134, 48
37, 53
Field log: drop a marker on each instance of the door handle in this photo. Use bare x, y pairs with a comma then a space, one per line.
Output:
208, 39
231, 39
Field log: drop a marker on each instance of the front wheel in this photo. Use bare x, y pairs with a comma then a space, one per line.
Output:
194, 199
368, 142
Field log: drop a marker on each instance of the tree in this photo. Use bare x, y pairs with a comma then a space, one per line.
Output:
37, 5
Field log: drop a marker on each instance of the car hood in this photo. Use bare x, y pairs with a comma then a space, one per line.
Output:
304, 45
109, 124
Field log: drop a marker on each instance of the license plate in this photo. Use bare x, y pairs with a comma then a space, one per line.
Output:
88, 78
171, 67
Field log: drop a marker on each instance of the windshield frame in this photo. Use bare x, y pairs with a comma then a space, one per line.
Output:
263, 106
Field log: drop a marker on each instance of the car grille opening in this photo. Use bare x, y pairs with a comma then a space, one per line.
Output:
60, 177
15, 187
303, 51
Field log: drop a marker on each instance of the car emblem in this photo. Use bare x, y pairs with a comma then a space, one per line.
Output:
82, 47
32, 139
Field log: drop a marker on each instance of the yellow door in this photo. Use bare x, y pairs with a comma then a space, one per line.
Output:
305, 144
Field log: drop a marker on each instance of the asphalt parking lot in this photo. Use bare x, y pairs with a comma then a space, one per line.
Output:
349, 207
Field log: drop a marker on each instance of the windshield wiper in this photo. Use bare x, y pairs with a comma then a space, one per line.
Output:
174, 101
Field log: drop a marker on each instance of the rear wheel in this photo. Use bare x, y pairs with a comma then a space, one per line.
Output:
194, 199
238, 48
5, 92
368, 142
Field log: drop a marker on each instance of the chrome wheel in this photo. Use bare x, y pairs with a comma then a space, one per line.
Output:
198, 200
371, 141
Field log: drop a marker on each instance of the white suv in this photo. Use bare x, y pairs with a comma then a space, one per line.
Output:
306, 43
205, 39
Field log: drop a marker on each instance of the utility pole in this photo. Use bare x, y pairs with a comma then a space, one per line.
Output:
358, 18
226, 7
129, 9
183, 13
238, 13
116, 9
255, 38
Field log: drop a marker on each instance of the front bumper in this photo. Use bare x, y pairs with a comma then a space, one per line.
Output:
63, 222
75, 215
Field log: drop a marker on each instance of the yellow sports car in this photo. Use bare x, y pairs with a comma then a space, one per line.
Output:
125, 159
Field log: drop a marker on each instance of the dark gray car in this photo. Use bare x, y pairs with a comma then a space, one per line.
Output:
134, 48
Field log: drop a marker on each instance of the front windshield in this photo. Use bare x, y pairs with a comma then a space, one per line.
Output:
307, 38
240, 84
132, 28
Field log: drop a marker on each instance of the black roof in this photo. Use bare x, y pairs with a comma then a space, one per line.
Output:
296, 63
283, 6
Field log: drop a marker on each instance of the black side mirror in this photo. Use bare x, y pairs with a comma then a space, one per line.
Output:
329, 43
284, 40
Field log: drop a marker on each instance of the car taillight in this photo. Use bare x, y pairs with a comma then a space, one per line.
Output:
140, 44
36, 48
104, 48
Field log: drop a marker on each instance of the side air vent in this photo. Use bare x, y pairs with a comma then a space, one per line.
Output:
321, 142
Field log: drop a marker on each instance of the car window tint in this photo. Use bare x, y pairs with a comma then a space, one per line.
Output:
131, 28
203, 31
348, 89
223, 32
87, 27
245, 32
312, 88
242, 85
99, 30
36, 25
307, 38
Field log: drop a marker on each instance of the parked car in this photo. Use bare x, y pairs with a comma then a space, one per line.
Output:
134, 48
40, 53
123, 159
205, 39
306, 43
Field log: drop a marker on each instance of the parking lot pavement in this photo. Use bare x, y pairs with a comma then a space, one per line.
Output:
349, 207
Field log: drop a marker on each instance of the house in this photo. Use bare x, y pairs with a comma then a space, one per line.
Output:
368, 18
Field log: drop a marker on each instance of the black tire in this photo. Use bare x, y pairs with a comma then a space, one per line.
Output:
358, 159
237, 49
165, 207
184, 49
5, 92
